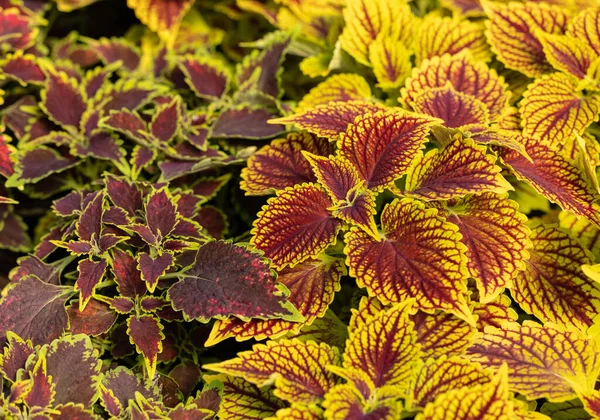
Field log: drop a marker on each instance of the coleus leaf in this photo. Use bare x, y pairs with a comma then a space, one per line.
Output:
246, 122
126, 274
385, 348
63, 100
152, 268
296, 369
328, 329
312, 285
281, 164
33, 165
41, 393
128, 123
13, 234
552, 109
96, 319
460, 168
15, 355
465, 75
442, 333
331, 119
205, 76
400, 136
299, 412
90, 274
496, 237
553, 287
162, 16
419, 255
523, 52
344, 401
290, 240
161, 214
495, 313
118, 386
18, 29
6, 150
34, 310
455, 109
584, 27
145, 332
485, 401
390, 60
337, 88
23, 68
582, 230
74, 366
216, 287
568, 54
438, 35
436, 376
113, 50
543, 361
557, 179
244, 399
165, 122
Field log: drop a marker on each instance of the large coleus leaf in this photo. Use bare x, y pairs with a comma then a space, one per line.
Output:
312, 285
557, 179
553, 287
390, 60
419, 255
162, 16
543, 361
242, 399
512, 33
442, 333
465, 75
485, 401
63, 100
552, 109
496, 237
400, 135
337, 88
584, 27
385, 348
34, 310
296, 369
295, 225
228, 280
331, 119
22, 67
281, 164
445, 35
365, 21
205, 76
460, 168
568, 54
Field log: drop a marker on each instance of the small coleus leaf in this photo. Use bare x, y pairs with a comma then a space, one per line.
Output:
243, 399
90, 274
41, 393
344, 401
145, 332
215, 286
152, 268
483, 401
128, 123
281, 164
385, 348
13, 234
119, 385
34, 310
295, 225
584, 27
400, 136
496, 237
419, 255
63, 100
331, 119
165, 122
495, 313
568, 54
96, 319
582, 230
436, 376
89, 225
455, 109
18, 29
22, 67
113, 50
553, 287
161, 213
161, 16
465, 75
543, 361
33, 165
523, 52
337, 88
557, 179
446, 35
390, 60
127, 276
296, 369
6, 150
123, 194
15, 355
552, 109
442, 333
312, 285
366, 20
205, 76
246, 122
460, 168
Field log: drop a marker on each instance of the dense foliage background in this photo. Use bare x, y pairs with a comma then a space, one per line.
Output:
298, 209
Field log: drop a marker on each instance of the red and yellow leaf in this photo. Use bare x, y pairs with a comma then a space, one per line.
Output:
495, 234
63, 100
568, 54
205, 76
512, 31
244, 400
281, 164
460, 168
162, 16
419, 255
543, 361
465, 75
553, 287
582, 230
295, 225
337, 88
331, 119
441, 333
297, 369
450, 35
399, 136
145, 332
552, 109
345, 402
495, 313
584, 26
390, 60
299, 412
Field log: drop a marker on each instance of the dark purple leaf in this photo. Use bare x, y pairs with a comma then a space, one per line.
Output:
122, 305
69, 204
118, 49
40, 394
40, 162
23, 68
246, 123
90, 221
127, 276
153, 268
212, 221
161, 213
90, 274
13, 234
166, 121
204, 77
15, 355
62, 100
146, 334
32, 265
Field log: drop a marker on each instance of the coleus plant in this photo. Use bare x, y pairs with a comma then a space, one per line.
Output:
427, 250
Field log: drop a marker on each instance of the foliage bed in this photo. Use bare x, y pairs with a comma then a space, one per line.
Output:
299, 209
